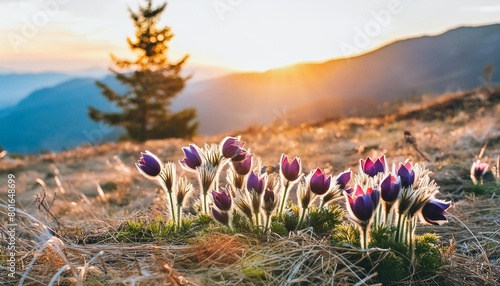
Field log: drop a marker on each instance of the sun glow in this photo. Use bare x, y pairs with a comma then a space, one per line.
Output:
252, 35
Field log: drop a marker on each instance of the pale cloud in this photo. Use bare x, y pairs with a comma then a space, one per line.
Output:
483, 9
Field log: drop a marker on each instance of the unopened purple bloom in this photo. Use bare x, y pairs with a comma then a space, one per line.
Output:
270, 203
390, 188
433, 212
363, 204
256, 183
478, 170
268, 196
232, 147
222, 199
243, 167
192, 158
407, 175
221, 217
343, 179
319, 182
149, 165
290, 170
372, 168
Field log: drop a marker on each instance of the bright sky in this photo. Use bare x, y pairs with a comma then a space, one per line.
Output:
38, 35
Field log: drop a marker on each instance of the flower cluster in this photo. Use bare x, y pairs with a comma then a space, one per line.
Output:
208, 162
152, 168
376, 196
394, 198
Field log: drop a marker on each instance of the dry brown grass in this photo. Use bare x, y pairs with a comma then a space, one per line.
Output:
225, 259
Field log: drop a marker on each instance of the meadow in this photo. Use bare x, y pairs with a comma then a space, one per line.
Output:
88, 217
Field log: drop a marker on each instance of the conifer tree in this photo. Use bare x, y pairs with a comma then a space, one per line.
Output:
151, 82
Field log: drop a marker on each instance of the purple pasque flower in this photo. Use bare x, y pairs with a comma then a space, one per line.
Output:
478, 170
319, 183
390, 188
290, 169
192, 157
222, 199
433, 212
149, 165
231, 147
343, 179
222, 216
372, 168
256, 183
363, 203
407, 174
244, 166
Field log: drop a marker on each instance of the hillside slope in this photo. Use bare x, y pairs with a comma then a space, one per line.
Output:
355, 86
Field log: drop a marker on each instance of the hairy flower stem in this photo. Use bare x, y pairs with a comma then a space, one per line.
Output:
179, 220
301, 220
407, 228
230, 222
388, 217
381, 216
377, 221
411, 233
257, 220
283, 200
398, 229
364, 236
172, 206
268, 221
205, 204
171, 200
322, 204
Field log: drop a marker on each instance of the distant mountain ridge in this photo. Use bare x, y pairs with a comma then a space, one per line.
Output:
355, 86
54, 119
343, 87
16, 86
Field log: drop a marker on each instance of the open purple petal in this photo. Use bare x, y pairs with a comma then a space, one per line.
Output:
433, 212
343, 179
192, 157
221, 217
319, 183
149, 164
407, 175
290, 170
363, 208
390, 188
243, 167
